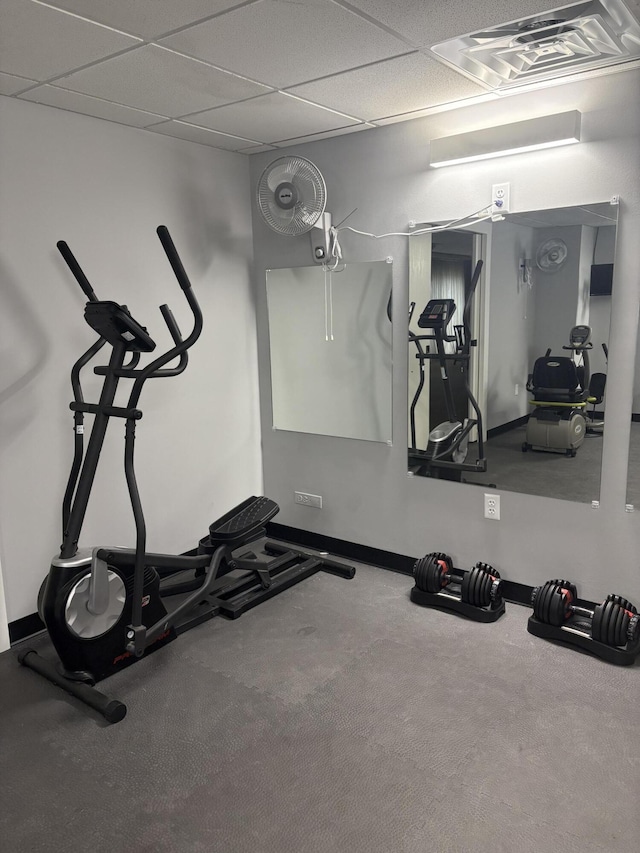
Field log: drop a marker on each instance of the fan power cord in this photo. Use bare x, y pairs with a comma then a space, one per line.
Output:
464, 222
334, 250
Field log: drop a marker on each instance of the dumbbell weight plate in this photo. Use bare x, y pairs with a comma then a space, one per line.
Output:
610, 623
623, 602
477, 585
633, 630
471, 590
428, 572
551, 601
495, 587
438, 567
466, 591
419, 571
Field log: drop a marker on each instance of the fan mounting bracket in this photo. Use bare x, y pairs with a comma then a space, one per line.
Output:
320, 236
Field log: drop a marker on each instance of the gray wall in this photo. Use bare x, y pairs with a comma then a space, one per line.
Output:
368, 497
511, 319
556, 294
104, 188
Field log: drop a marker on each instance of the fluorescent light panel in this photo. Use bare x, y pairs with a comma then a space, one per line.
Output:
529, 135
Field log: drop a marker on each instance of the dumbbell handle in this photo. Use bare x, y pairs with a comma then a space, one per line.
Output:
581, 611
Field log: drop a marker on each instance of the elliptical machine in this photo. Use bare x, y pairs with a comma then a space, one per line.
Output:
560, 390
447, 447
104, 608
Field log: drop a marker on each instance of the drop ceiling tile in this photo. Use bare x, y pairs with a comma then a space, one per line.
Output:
426, 22
85, 104
271, 118
390, 87
146, 18
285, 43
9, 84
39, 42
285, 143
182, 130
152, 78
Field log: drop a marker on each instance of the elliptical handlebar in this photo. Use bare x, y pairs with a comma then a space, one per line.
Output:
154, 369
174, 258
77, 271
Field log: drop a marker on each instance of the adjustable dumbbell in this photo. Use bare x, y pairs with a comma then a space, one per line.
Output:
480, 587
615, 622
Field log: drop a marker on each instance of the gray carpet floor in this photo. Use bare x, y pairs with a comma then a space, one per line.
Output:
335, 718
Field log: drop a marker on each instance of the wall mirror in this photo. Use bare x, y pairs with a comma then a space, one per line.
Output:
537, 276
330, 346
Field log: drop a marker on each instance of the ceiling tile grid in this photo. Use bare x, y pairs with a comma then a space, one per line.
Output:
147, 18
78, 103
241, 74
389, 88
161, 81
184, 130
40, 42
10, 84
271, 118
285, 43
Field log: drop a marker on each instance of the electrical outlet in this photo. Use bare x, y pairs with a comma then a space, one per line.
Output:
304, 499
517, 390
500, 198
492, 506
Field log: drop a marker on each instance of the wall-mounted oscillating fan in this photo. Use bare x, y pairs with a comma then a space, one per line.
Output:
291, 196
552, 255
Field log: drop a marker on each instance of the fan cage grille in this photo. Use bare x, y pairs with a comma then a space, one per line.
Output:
310, 189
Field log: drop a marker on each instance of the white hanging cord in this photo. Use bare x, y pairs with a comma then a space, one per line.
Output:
465, 221
334, 251
328, 304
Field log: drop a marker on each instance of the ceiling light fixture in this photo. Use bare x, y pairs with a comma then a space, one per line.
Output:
520, 136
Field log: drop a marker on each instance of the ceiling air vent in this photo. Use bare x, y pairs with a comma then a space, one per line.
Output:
580, 37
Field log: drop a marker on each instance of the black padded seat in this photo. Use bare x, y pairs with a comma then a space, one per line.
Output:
555, 380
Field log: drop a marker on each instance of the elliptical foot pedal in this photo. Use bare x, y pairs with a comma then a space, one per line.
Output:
241, 525
610, 631
476, 594
286, 567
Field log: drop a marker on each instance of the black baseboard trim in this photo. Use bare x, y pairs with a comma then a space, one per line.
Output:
25, 627
517, 593
342, 548
499, 430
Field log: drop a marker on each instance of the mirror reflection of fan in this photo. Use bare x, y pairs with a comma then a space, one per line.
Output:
291, 196
552, 255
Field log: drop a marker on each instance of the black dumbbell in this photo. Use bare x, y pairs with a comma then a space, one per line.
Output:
482, 586
615, 622
434, 571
